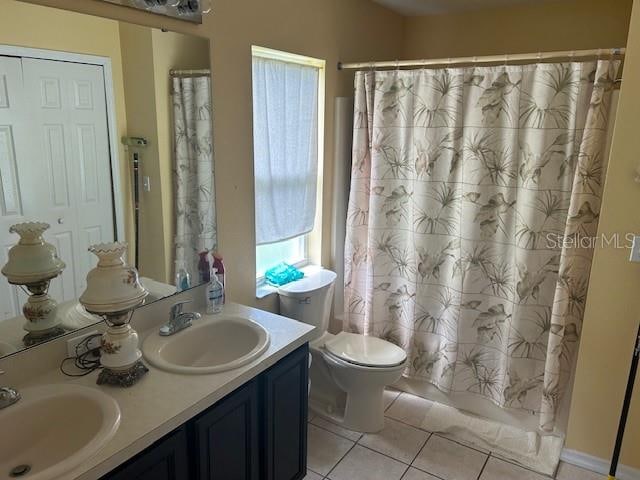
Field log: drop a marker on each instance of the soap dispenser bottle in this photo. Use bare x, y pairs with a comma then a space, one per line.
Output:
183, 279
215, 294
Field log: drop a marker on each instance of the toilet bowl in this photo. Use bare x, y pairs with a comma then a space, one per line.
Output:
349, 372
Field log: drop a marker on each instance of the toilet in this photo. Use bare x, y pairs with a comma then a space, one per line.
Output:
349, 371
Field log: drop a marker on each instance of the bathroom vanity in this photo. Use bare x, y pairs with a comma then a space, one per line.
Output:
247, 422
259, 431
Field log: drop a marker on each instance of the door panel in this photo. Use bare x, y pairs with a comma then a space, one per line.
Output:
14, 144
70, 115
54, 165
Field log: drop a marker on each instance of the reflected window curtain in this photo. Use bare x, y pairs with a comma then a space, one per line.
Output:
285, 132
474, 203
194, 172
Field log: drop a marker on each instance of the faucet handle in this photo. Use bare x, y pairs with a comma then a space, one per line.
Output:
176, 308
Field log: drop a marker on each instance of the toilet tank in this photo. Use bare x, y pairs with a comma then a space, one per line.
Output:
309, 299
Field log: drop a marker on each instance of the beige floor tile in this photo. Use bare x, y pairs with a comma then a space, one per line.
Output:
337, 429
571, 472
364, 464
325, 449
398, 440
497, 469
389, 396
312, 476
409, 409
450, 460
415, 474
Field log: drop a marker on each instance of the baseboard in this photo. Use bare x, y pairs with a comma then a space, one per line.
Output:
598, 465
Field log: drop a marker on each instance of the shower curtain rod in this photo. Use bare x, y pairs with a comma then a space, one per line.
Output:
517, 57
189, 73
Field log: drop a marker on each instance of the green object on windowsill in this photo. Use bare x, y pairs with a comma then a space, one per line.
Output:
282, 274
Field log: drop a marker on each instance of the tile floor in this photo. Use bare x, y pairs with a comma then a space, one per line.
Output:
404, 451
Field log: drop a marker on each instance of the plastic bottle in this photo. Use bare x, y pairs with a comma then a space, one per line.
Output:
215, 294
218, 266
204, 267
183, 279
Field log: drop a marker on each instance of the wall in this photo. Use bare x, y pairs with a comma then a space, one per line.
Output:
548, 26
613, 305
142, 118
30, 26
148, 55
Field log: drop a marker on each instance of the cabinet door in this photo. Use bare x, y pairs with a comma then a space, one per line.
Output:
164, 460
285, 396
227, 437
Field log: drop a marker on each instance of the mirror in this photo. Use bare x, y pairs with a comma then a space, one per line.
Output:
105, 135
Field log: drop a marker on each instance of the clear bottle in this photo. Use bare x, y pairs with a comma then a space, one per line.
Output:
183, 279
215, 294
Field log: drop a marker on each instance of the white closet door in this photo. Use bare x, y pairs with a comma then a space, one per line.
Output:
70, 167
14, 144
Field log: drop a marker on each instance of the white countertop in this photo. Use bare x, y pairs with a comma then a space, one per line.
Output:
162, 401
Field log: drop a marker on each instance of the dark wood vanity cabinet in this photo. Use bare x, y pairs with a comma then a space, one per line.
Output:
284, 395
167, 459
226, 437
257, 432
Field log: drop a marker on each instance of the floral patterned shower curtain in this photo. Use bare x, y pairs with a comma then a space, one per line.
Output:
194, 175
475, 195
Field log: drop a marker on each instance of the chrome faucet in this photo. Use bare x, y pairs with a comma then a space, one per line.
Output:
178, 320
8, 396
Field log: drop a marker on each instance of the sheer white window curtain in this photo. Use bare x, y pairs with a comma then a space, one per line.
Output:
285, 131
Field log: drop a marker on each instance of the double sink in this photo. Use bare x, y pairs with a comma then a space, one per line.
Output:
55, 428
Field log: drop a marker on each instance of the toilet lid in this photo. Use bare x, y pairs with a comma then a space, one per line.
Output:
365, 351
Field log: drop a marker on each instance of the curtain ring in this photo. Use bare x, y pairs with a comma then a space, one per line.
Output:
506, 59
397, 65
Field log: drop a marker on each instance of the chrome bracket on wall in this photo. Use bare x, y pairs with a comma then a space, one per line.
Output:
190, 10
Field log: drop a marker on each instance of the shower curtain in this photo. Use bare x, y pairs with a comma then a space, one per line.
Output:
194, 185
472, 218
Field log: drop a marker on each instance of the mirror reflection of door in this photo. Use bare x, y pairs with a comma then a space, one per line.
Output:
54, 165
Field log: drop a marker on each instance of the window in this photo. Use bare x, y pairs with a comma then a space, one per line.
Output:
288, 125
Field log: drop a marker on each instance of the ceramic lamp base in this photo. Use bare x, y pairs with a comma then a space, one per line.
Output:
123, 378
35, 338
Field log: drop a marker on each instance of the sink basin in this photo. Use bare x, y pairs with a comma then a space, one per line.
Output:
54, 429
212, 345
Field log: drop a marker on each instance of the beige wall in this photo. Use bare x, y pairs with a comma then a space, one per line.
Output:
546, 26
148, 55
27, 25
613, 305
142, 121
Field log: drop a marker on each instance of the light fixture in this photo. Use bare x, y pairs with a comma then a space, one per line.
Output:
113, 291
32, 264
191, 10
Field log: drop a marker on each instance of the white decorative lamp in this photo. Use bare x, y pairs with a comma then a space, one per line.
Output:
113, 291
33, 263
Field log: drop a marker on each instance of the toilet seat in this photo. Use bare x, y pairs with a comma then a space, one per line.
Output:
365, 351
